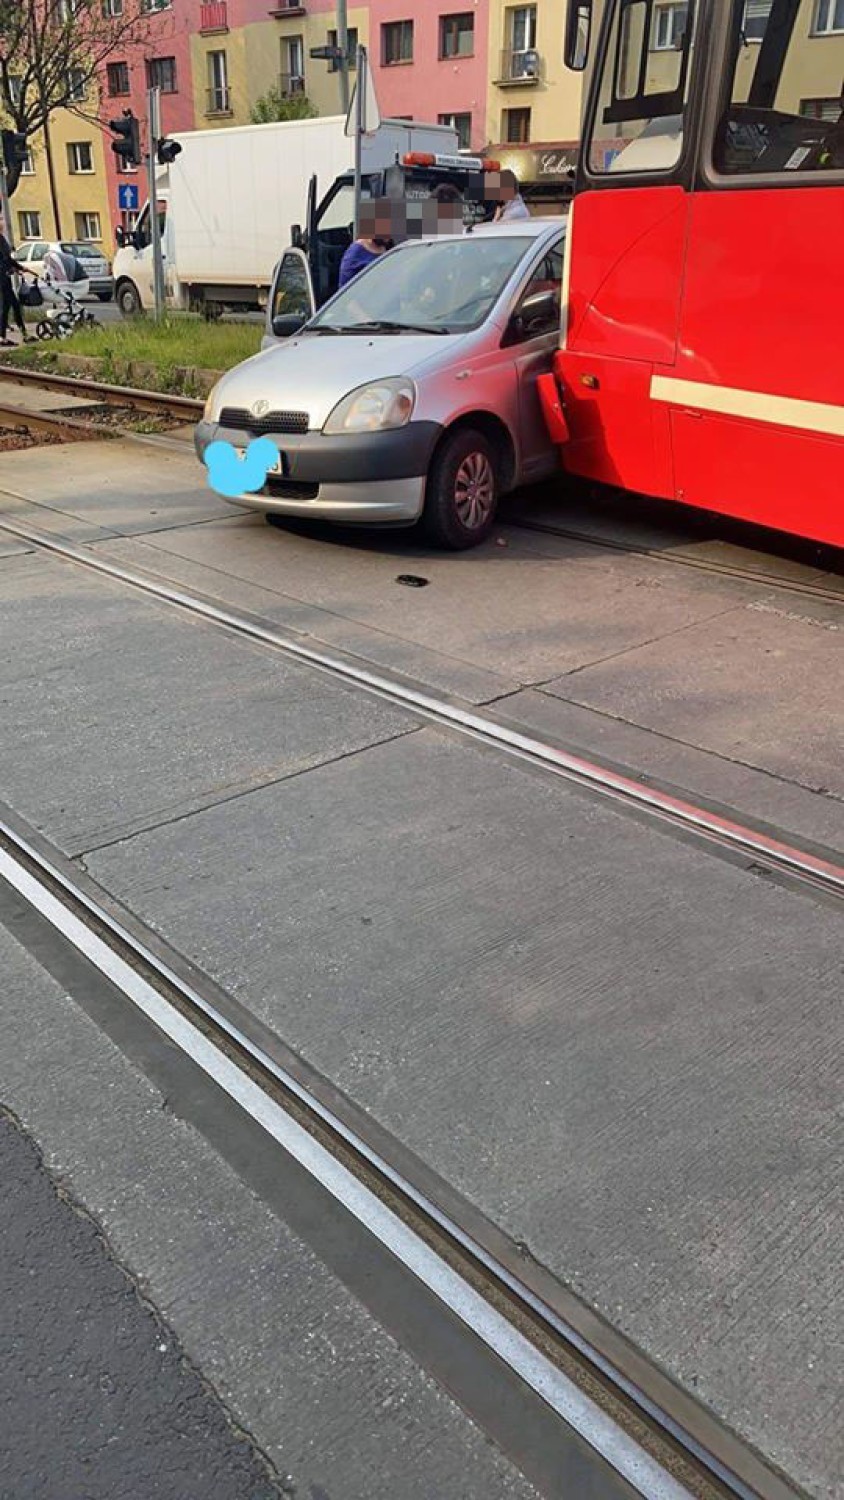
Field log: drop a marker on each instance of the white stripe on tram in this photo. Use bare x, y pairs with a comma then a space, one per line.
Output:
758, 406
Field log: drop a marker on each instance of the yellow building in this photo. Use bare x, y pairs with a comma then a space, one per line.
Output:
534, 101
232, 69
81, 194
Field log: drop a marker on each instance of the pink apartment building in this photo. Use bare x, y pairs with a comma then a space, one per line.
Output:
430, 62
162, 58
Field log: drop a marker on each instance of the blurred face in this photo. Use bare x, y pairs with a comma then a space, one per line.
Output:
378, 222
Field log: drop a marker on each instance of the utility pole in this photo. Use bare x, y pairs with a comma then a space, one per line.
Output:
343, 49
153, 137
361, 85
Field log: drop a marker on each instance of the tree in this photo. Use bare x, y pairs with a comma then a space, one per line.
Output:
51, 53
273, 105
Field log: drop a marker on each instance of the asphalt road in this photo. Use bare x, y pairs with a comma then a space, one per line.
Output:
97, 1397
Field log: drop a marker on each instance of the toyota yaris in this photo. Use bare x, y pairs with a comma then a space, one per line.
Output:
412, 394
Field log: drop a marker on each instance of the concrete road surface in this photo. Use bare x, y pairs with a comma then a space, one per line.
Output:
621, 1047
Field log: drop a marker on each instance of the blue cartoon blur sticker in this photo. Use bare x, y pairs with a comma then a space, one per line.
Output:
232, 475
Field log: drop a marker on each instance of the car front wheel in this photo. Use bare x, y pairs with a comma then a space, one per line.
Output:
128, 299
461, 496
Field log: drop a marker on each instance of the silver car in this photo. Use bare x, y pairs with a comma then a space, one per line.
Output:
412, 393
96, 266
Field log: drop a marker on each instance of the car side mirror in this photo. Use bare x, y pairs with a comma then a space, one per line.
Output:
120, 238
536, 315
286, 324
296, 236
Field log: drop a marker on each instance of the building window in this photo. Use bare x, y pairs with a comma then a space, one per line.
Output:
292, 79
521, 28
463, 125
219, 98
516, 127
829, 17
396, 43
80, 157
112, 9
88, 227
29, 223
669, 26
117, 75
28, 164
150, 5
68, 9
756, 16
457, 35
351, 47
15, 89
161, 74
828, 110
76, 83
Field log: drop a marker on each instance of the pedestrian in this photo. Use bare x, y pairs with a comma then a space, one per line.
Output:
373, 240
511, 204
449, 212
9, 303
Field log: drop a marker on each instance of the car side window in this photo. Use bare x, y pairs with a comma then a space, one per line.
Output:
537, 312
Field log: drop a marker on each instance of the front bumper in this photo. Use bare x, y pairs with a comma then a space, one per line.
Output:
375, 477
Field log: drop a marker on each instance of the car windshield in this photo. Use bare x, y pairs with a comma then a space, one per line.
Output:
440, 286
82, 252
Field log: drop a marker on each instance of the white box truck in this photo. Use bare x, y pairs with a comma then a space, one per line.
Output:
229, 199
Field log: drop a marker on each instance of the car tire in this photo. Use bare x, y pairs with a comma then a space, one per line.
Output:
461, 496
128, 299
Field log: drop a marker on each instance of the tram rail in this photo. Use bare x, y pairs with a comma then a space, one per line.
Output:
188, 410
652, 1434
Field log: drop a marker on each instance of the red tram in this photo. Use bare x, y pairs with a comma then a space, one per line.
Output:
702, 354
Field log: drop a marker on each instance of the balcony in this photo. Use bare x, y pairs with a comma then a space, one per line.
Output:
213, 17
218, 100
284, 8
290, 84
519, 68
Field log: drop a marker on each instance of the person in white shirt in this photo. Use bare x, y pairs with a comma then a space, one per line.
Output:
511, 203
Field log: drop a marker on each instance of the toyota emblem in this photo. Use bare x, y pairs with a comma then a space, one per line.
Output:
260, 408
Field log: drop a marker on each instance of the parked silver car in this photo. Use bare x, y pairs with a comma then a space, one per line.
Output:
412, 393
96, 266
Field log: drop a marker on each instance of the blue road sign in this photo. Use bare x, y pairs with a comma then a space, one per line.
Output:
127, 196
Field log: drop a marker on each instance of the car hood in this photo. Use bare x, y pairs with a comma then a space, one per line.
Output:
315, 371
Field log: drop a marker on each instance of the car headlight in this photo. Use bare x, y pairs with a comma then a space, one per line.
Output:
377, 407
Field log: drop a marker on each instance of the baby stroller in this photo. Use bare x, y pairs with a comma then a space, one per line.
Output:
64, 312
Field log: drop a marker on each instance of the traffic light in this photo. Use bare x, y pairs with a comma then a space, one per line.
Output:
14, 156
167, 151
127, 147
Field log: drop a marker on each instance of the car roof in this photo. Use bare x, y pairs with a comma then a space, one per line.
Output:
532, 229
533, 226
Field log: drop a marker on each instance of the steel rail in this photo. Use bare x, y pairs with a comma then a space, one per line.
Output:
20, 418
111, 395
757, 845
808, 590
60, 895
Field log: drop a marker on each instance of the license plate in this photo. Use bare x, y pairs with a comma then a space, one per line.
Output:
276, 468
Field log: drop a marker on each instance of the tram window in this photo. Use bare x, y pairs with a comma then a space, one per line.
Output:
765, 127
639, 117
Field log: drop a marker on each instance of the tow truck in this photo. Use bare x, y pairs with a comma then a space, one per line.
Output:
308, 272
